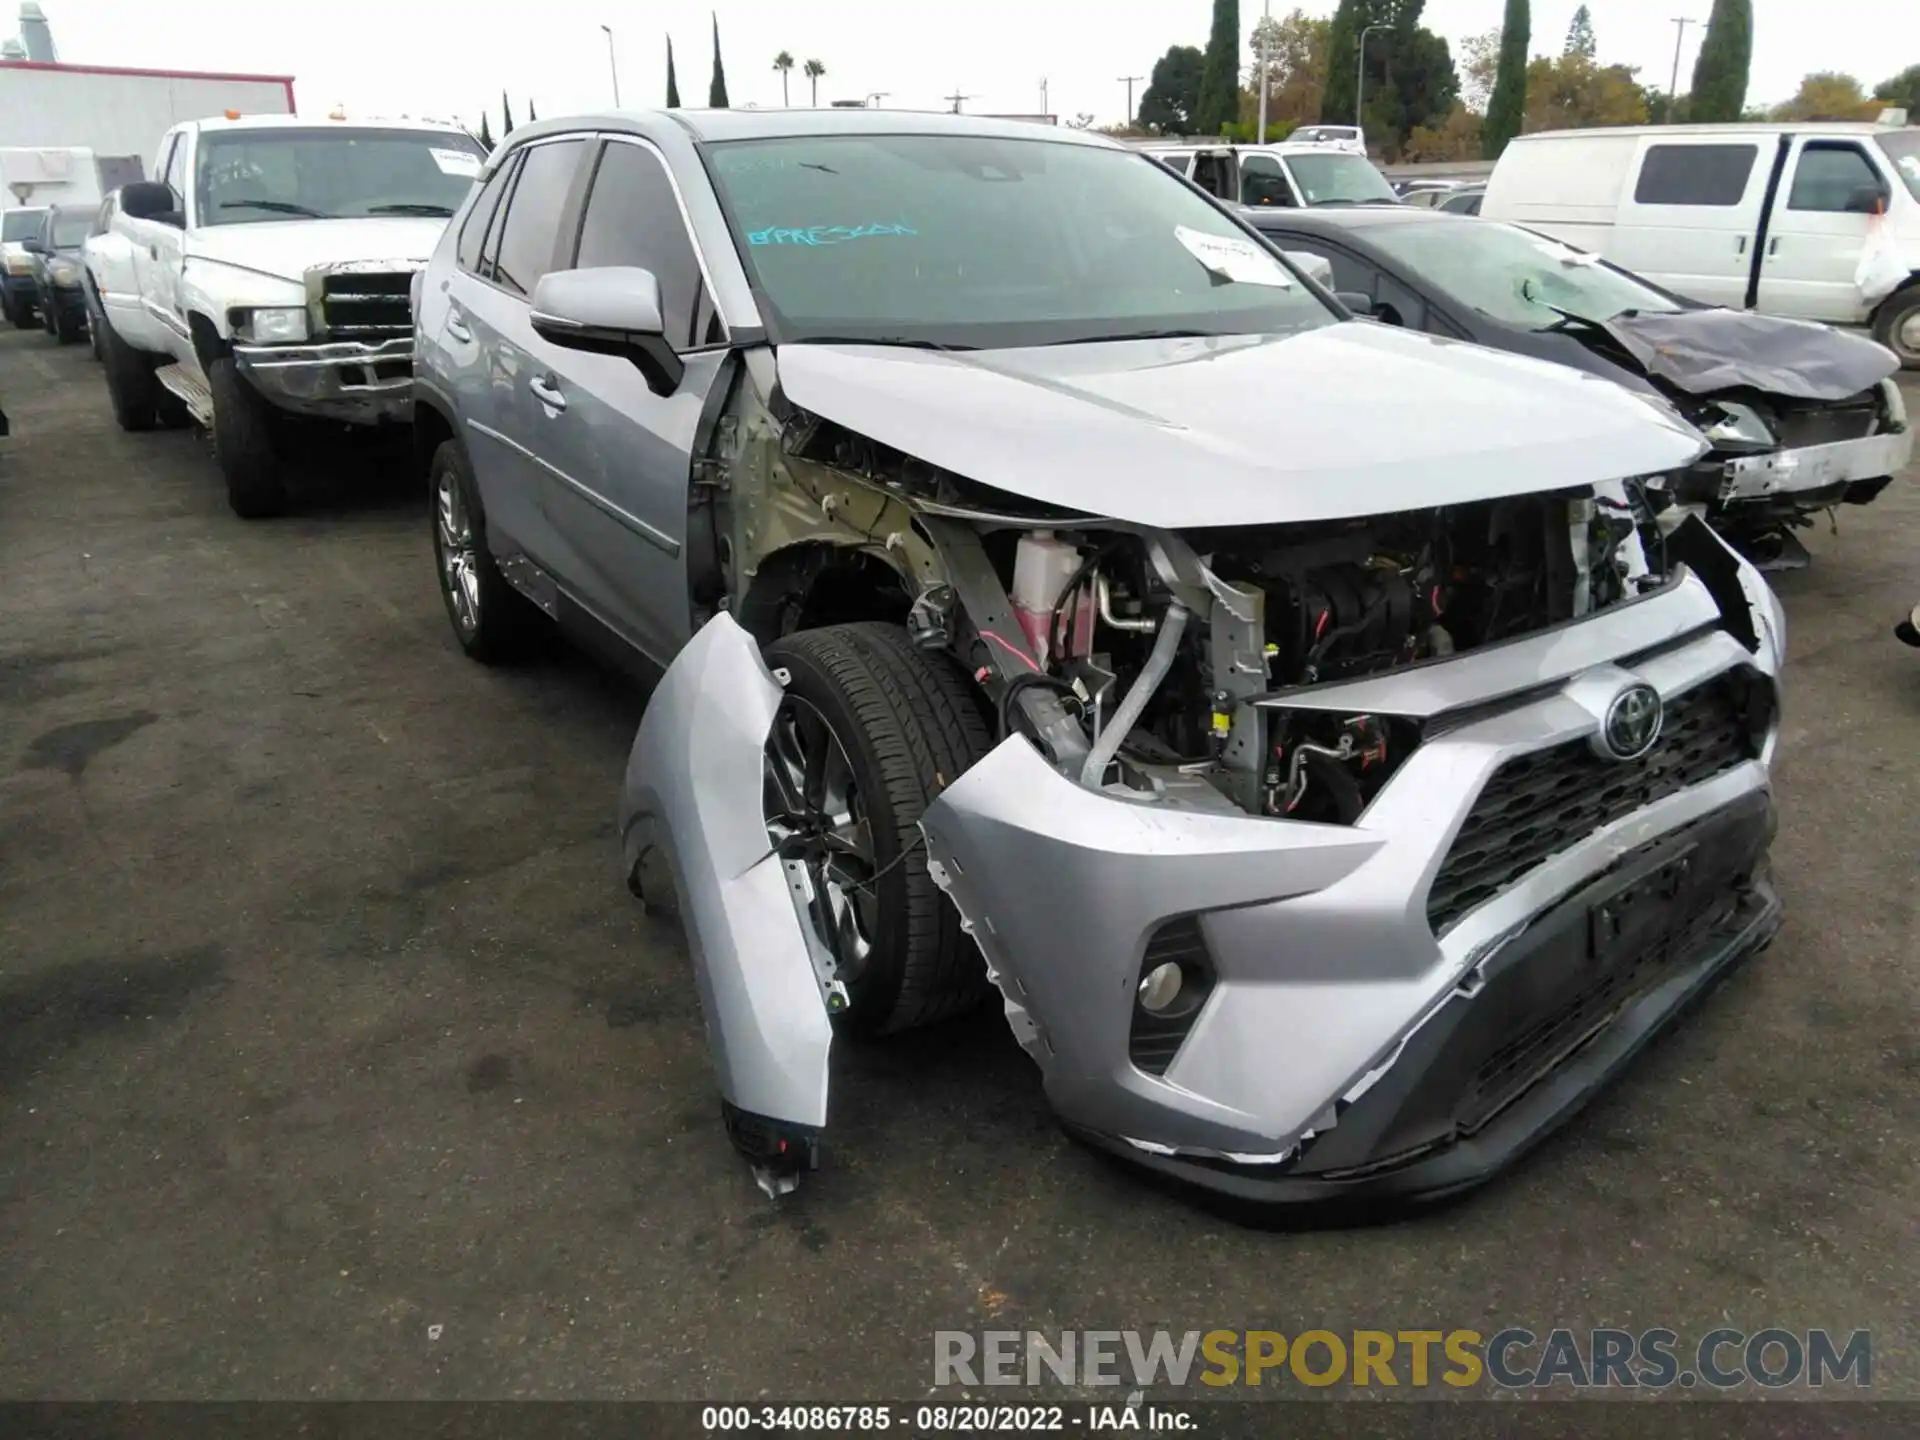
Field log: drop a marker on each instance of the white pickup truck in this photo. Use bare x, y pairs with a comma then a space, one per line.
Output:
263, 282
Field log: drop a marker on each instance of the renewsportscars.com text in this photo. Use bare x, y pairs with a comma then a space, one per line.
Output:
1514, 1358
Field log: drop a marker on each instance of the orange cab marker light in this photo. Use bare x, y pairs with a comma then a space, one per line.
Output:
233, 114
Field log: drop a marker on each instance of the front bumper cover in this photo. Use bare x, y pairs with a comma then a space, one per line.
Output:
346, 380
1814, 469
1328, 974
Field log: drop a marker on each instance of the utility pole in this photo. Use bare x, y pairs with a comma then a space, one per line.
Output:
956, 98
612, 69
1128, 80
1680, 23
1360, 83
1266, 19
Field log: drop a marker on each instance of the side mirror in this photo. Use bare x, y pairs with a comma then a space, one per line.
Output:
1356, 301
609, 310
146, 200
1866, 200
33, 246
1316, 268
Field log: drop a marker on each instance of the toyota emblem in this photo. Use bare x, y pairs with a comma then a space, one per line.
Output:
1632, 723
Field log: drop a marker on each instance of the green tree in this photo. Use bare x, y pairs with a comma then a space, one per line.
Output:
1720, 73
531, 117
1570, 92
506, 116
1902, 89
673, 84
717, 86
1343, 34
1172, 96
1220, 74
485, 137
1507, 109
783, 62
1297, 49
1580, 39
814, 70
1828, 95
1410, 79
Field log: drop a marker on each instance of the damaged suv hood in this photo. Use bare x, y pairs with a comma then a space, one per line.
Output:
1349, 419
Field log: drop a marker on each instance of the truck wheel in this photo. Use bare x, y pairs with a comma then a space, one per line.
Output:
870, 732
131, 387
66, 327
96, 322
492, 621
243, 443
1897, 325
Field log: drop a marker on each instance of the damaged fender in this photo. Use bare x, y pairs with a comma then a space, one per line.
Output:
694, 792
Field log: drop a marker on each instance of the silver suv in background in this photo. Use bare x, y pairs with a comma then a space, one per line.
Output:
1333, 797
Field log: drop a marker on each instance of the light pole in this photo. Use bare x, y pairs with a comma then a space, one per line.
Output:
612, 69
1360, 83
1266, 20
1043, 94
874, 97
1680, 23
1128, 80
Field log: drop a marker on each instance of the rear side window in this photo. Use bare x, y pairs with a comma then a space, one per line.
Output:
473, 234
1694, 174
1827, 176
531, 231
632, 218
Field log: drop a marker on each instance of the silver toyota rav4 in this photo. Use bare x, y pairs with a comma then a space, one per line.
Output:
1330, 742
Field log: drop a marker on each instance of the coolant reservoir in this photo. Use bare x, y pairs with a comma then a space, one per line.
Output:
1042, 565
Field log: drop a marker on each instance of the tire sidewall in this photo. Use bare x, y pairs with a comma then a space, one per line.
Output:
129, 379
1901, 306
450, 459
874, 994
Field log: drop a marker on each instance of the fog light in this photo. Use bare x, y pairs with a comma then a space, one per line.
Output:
1160, 988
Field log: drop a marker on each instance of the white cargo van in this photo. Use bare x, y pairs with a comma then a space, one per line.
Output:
1811, 221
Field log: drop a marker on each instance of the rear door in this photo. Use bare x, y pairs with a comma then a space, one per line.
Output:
492, 349
1832, 196
1691, 216
616, 480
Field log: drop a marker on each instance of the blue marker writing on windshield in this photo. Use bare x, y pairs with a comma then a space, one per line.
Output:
824, 234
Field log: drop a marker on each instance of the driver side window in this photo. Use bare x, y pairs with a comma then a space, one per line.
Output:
176, 171
1262, 183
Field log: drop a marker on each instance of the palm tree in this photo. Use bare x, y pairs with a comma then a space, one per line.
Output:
814, 70
783, 62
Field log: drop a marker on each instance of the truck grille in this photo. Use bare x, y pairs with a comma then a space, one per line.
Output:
1537, 805
370, 305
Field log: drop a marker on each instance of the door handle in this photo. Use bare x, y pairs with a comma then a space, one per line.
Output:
1773, 246
547, 392
1741, 248
153, 252
457, 328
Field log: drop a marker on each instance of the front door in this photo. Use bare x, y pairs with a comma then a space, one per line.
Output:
1833, 195
617, 477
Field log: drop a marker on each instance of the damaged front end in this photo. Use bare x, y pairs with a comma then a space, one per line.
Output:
1310, 859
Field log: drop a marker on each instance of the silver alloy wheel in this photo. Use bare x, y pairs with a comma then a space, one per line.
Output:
459, 563
1907, 337
817, 816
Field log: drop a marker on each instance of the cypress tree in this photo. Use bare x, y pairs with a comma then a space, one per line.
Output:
506, 116
717, 87
673, 85
1220, 76
1720, 74
1507, 108
485, 137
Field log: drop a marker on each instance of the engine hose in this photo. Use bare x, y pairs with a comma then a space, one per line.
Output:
1172, 625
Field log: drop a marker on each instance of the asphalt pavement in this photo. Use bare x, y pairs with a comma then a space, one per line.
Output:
336, 1060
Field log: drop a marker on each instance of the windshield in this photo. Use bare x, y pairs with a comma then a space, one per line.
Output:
1336, 179
247, 176
1515, 275
1903, 148
71, 230
19, 224
964, 240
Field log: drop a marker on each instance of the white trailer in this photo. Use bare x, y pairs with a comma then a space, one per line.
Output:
114, 111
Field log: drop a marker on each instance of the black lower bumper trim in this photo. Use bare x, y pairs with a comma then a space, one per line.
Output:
1294, 1194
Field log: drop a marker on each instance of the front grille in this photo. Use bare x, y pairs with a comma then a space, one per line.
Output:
1537, 805
1825, 424
370, 306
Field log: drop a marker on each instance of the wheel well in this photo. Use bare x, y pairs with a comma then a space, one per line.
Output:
808, 586
431, 430
207, 344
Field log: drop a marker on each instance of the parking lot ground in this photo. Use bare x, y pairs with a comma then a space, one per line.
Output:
336, 1061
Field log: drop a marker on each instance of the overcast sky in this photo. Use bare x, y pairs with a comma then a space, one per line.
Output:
450, 57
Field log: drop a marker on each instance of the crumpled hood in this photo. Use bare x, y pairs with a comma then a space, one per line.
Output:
287, 249
1705, 351
1349, 419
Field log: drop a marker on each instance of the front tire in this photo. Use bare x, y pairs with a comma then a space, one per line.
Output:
869, 734
1896, 325
245, 445
493, 622
66, 327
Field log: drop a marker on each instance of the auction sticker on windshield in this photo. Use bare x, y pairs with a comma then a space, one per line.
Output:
456, 162
1235, 259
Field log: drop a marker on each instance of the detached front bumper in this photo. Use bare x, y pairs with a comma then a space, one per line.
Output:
1823, 474
345, 380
